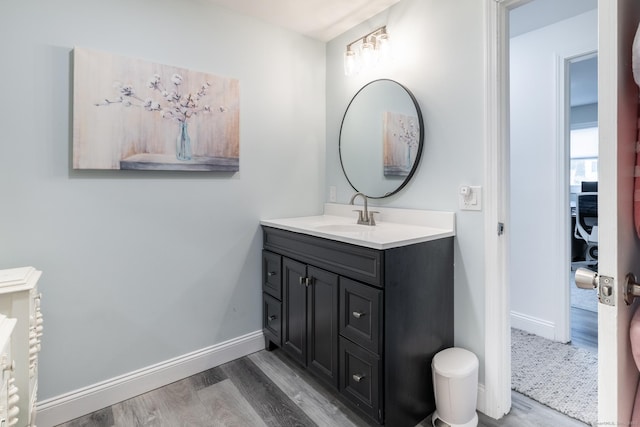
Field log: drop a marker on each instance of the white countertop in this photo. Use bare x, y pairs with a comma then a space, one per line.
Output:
394, 227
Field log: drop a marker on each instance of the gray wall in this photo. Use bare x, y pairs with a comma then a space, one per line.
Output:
439, 55
143, 267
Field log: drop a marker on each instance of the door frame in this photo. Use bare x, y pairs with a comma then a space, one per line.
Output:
563, 167
497, 391
497, 302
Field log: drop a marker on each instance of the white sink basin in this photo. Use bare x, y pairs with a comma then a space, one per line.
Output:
344, 228
394, 227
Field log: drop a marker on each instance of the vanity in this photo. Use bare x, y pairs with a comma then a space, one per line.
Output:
364, 301
364, 308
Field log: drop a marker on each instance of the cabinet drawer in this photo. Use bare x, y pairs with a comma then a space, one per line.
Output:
272, 274
360, 314
272, 319
360, 374
356, 262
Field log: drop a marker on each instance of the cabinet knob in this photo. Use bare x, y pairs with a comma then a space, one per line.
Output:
272, 273
358, 314
272, 318
357, 377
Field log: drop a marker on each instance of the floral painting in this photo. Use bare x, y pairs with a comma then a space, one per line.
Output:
134, 114
400, 141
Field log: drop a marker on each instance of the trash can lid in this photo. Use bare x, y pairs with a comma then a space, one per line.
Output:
455, 362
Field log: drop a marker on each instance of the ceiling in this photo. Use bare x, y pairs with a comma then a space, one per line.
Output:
319, 19
540, 13
325, 19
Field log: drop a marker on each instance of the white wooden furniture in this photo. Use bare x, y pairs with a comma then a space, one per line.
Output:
20, 299
9, 396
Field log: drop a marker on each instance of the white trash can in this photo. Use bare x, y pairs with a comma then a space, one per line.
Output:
455, 384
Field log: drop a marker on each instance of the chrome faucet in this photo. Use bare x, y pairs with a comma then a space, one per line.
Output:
364, 217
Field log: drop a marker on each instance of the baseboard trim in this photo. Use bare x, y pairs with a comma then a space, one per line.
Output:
481, 401
533, 325
83, 401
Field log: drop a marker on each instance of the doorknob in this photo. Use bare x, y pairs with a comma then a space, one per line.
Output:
631, 288
588, 279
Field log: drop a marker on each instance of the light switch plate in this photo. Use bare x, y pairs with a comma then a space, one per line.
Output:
332, 193
472, 200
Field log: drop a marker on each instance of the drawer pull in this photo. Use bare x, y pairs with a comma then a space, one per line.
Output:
304, 281
272, 273
357, 377
272, 318
358, 314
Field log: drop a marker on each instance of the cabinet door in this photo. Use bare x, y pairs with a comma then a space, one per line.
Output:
294, 301
322, 324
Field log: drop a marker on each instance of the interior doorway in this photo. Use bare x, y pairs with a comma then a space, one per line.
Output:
542, 199
583, 190
617, 381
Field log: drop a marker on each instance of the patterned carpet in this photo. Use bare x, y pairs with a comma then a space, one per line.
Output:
560, 376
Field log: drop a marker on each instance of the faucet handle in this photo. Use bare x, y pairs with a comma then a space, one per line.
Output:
372, 220
360, 216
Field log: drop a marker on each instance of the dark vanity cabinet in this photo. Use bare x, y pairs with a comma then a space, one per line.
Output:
366, 321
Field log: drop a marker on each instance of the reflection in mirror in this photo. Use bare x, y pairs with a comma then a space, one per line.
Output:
381, 138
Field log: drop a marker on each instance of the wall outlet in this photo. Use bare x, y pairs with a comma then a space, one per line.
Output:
470, 198
332, 193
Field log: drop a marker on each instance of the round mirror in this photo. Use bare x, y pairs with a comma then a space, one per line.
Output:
381, 138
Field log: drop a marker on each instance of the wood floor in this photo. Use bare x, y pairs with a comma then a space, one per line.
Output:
584, 329
268, 389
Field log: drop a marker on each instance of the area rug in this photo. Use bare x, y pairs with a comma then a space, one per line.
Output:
560, 376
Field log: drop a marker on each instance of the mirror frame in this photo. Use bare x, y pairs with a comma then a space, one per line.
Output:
420, 139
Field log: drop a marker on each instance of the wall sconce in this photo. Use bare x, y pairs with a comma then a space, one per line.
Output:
373, 47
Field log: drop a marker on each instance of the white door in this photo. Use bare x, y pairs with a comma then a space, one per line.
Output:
619, 248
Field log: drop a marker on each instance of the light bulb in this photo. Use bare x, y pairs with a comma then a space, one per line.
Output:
384, 47
349, 62
368, 54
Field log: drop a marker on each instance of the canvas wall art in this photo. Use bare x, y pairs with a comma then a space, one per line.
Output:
400, 140
135, 114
